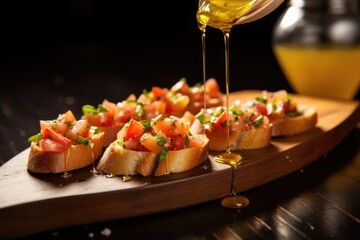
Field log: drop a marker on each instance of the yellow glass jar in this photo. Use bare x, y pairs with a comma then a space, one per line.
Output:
317, 45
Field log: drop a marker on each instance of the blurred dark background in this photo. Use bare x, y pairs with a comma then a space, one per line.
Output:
103, 45
59, 55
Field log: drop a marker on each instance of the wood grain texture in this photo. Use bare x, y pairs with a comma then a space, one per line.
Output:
45, 202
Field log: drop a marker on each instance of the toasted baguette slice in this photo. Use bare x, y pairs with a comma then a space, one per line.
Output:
250, 139
288, 126
183, 160
117, 160
76, 157
150, 148
247, 129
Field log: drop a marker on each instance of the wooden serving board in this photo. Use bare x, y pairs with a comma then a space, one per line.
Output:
31, 203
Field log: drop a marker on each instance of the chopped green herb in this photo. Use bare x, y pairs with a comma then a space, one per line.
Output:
91, 109
163, 153
121, 143
236, 111
146, 124
183, 80
94, 130
187, 141
197, 85
68, 124
160, 140
262, 99
258, 121
82, 140
223, 124
35, 138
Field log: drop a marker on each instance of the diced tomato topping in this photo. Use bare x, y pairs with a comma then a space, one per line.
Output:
159, 93
48, 145
80, 127
171, 127
177, 143
59, 125
69, 116
212, 88
176, 103
221, 122
56, 137
261, 109
181, 87
110, 106
150, 142
134, 130
188, 116
195, 142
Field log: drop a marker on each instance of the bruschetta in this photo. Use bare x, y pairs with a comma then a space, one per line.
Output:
158, 146
110, 117
64, 144
247, 128
287, 116
210, 91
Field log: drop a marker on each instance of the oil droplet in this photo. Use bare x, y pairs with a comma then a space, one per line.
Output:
126, 178
66, 175
110, 175
95, 171
204, 167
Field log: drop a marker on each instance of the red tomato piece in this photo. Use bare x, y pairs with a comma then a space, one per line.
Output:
48, 145
159, 93
56, 137
134, 130
177, 143
212, 88
221, 122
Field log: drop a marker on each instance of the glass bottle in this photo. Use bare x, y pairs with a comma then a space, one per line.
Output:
317, 45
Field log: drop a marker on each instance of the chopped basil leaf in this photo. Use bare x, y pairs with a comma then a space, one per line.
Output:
94, 130
134, 102
261, 99
69, 124
160, 140
187, 141
82, 140
236, 111
146, 124
35, 138
197, 85
223, 124
201, 117
258, 121
163, 153
91, 109
121, 144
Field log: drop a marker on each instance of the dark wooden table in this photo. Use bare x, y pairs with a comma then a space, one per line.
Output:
47, 74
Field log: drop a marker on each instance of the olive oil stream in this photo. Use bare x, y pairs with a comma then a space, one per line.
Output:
223, 15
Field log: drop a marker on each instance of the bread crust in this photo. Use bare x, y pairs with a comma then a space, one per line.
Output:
250, 139
182, 160
76, 157
290, 126
120, 161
